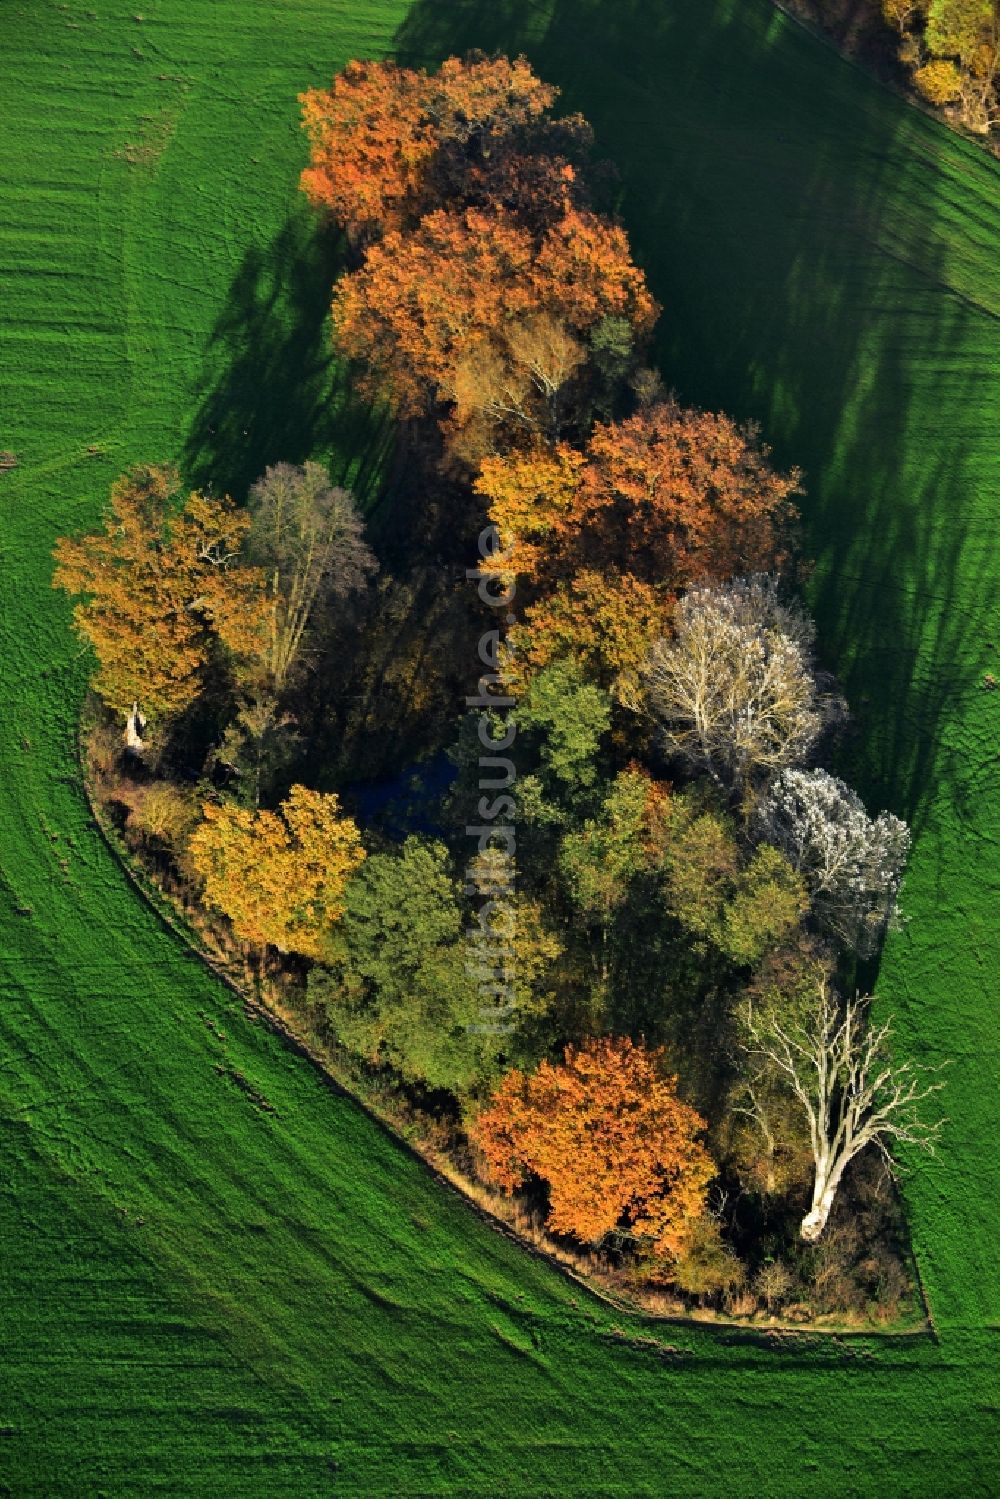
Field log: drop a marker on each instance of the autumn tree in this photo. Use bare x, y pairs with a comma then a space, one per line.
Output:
472, 313
836, 1064
307, 538
707, 1267
604, 623
691, 494
604, 538
162, 585
539, 172
734, 691
608, 1135
670, 495
532, 499
377, 133
279, 876
962, 41
952, 49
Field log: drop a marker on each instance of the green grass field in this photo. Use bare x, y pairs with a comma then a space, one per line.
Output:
200, 1297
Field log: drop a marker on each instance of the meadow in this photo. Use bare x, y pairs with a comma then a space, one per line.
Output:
218, 1275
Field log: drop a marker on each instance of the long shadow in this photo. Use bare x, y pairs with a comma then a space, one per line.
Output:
271, 389
766, 191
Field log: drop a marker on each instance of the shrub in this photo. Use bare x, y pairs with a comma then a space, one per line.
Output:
707, 1267
773, 1283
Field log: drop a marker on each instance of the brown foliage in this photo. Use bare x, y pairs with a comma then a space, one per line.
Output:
687, 495
666, 497
471, 311
671, 495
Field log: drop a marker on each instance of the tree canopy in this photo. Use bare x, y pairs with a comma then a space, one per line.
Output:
377, 132
162, 584
307, 538
637, 871
279, 876
607, 1133
473, 312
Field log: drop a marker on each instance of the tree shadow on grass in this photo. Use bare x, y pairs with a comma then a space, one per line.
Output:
272, 390
788, 214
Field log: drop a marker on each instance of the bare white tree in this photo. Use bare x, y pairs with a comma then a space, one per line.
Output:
837, 1065
852, 863
734, 692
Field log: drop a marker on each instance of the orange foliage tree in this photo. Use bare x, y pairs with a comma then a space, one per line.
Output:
376, 133
160, 584
608, 1134
473, 311
279, 876
688, 494
671, 495
607, 537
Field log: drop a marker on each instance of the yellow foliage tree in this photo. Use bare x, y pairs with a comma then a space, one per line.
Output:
279, 876
952, 48
939, 81
606, 622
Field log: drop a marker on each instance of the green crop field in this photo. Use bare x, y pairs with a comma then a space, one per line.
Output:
200, 1295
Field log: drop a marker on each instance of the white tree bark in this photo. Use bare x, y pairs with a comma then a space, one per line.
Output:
825, 1184
852, 1094
134, 726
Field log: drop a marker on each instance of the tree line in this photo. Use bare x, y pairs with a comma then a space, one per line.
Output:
948, 51
686, 1072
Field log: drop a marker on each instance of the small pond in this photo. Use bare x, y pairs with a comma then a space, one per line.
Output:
409, 802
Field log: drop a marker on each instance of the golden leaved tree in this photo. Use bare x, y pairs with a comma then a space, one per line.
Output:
160, 585
279, 876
